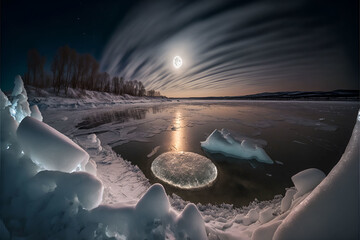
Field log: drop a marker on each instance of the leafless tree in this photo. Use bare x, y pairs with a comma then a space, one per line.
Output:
35, 69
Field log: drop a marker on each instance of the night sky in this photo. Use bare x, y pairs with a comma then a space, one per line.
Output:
228, 47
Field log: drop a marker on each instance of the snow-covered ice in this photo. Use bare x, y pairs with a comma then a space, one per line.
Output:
222, 142
307, 180
190, 224
20, 107
35, 113
48, 147
266, 215
4, 101
185, 170
251, 217
287, 200
42, 204
331, 210
153, 152
92, 142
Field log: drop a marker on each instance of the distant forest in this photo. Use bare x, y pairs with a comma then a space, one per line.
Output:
81, 71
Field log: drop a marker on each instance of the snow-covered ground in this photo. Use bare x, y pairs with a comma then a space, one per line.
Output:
99, 195
83, 99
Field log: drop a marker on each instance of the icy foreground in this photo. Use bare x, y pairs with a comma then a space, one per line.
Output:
38, 203
222, 142
60, 153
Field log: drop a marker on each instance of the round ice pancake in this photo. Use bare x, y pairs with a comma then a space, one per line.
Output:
185, 170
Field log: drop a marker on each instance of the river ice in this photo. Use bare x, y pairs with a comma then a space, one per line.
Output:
184, 169
43, 204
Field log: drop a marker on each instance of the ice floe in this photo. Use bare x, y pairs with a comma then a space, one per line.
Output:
184, 169
222, 142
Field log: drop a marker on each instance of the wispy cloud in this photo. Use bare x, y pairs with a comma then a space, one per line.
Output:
228, 48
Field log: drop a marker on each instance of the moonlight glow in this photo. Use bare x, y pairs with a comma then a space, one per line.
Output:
177, 62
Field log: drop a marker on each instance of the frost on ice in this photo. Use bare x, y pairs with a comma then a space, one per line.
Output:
222, 142
184, 169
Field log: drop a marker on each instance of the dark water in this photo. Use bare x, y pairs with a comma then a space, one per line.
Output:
297, 135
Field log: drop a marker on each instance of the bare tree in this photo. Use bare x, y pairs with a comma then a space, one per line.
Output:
151, 93
142, 90
35, 75
70, 69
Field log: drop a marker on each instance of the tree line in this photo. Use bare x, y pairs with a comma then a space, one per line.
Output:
78, 71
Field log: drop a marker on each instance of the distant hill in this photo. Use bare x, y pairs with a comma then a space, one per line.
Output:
336, 95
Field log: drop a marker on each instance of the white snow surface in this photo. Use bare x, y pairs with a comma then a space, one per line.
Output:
48, 147
20, 107
307, 180
222, 142
42, 204
4, 101
153, 152
83, 99
35, 113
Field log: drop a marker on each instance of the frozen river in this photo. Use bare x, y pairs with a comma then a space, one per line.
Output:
296, 136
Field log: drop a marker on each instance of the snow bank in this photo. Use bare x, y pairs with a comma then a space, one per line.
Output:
287, 200
87, 189
222, 142
151, 218
35, 113
83, 99
8, 128
154, 203
4, 101
48, 147
92, 142
190, 224
251, 217
307, 180
19, 104
266, 215
331, 210
266, 231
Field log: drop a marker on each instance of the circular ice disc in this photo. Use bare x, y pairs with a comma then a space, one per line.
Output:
185, 170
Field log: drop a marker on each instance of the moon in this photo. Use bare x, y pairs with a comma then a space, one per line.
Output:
177, 62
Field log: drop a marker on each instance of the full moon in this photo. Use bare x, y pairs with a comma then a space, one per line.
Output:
177, 62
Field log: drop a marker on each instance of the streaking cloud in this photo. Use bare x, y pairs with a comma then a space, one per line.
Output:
227, 48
